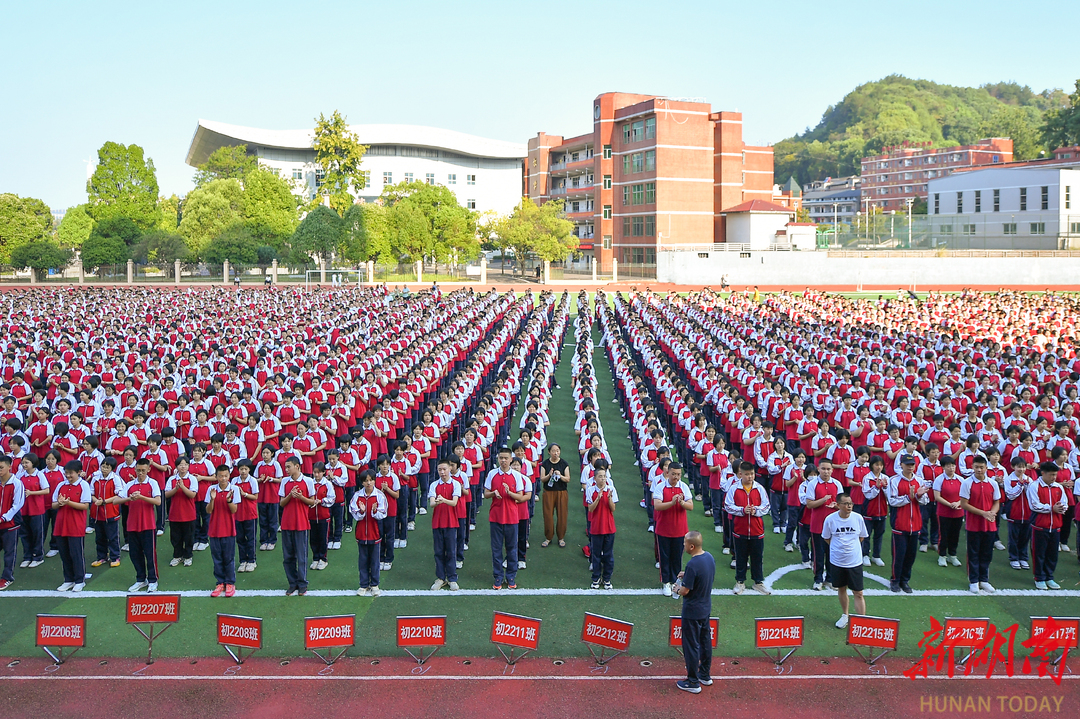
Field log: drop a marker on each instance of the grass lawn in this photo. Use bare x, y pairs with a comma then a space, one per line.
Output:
469, 617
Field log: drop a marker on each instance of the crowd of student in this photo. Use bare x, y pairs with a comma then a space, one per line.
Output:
933, 415
236, 419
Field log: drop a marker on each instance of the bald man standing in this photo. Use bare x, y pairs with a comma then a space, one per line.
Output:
696, 591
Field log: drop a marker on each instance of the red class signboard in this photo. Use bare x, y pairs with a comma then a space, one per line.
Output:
1065, 630
514, 630
239, 632
153, 608
675, 631
879, 634
422, 631
331, 632
779, 632
606, 632
60, 631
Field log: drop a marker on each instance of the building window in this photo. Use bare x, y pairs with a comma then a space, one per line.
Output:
626, 133
946, 229
1009, 228
626, 165
978, 200
1068, 197
1023, 199
626, 196
997, 200
637, 162
650, 193
388, 178
937, 203
297, 173
639, 194
607, 152
451, 179
430, 178
1074, 228
650, 128
408, 177
968, 229
607, 212
959, 202
606, 242
320, 175
1038, 228
470, 179
471, 204
637, 131
638, 226
1045, 202
650, 225
650, 160
626, 227
607, 182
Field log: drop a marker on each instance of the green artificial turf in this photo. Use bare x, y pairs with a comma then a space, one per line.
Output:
469, 617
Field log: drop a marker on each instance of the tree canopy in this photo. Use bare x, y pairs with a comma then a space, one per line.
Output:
339, 153
40, 255
1062, 128
897, 109
160, 248
75, 227
208, 210
319, 235
22, 220
236, 244
365, 234
268, 209
124, 184
427, 221
540, 229
231, 162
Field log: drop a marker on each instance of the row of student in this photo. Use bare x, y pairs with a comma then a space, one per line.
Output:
267, 472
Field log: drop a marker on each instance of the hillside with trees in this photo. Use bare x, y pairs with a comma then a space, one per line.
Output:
898, 109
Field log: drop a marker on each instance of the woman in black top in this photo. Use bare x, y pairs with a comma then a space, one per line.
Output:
554, 471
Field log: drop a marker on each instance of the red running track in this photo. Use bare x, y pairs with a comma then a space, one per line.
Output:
807, 688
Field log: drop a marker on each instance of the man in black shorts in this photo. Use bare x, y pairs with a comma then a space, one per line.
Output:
844, 531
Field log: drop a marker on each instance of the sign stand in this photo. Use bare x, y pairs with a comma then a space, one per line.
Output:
675, 632
418, 634
1066, 630
149, 609
778, 633
330, 633
513, 631
248, 630
872, 634
61, 632
966, 633
607, 634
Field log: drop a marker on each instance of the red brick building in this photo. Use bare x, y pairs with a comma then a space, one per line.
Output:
901, 172
653, 171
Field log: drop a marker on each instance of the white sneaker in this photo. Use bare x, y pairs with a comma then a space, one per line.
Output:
314, 565
439, 584
1064, 548
422, 510
137, 587
404, 543
718, 529
866, 561
806, 565
361, 592
389, 566
187, 562
151, 587
382, 566
762, 589
954, 561
842, 621
36, 563
472, 527
160, 532
65, 587
974, 588
986, 587
454, 586
411, 526
504, 564
521, 564
999, 546
79, 586
878, 562
24, 564
174, 563
739, 588
89, 530
322, 564
1015, 565
202, 547
725, 550
459, 565
465, 547
923, 547
667, 589
658, 565
251, 566
124, 548
817, 586
942, 562
52, 553
375, 591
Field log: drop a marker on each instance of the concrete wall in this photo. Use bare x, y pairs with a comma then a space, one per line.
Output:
806, 269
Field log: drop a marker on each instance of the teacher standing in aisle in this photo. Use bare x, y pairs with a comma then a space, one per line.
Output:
554, 471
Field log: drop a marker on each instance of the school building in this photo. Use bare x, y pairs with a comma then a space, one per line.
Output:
653, 172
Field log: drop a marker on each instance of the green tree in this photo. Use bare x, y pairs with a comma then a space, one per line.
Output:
122, 228
22, 220
318, 235
339, 153
236, 244
1062, 126
231, 162
159, 248
124, 184
75, 227
269, 208
103, 250
40, 256
169, 211
427, 221
208, 211
365, 234
1021, 124
542, 230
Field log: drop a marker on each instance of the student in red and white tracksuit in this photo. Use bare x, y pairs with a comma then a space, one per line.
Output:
368, 510
747, 502
981, 499
142, 497
672, 499
601, 498
1048, 503
12, 498
443, 497
1018, 514
222, 501
906, 493
71, 500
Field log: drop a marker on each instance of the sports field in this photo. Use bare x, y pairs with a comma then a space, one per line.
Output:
553, 587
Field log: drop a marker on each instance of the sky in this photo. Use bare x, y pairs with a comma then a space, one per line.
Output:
78, 74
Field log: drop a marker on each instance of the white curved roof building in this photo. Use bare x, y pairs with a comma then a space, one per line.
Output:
485, 174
